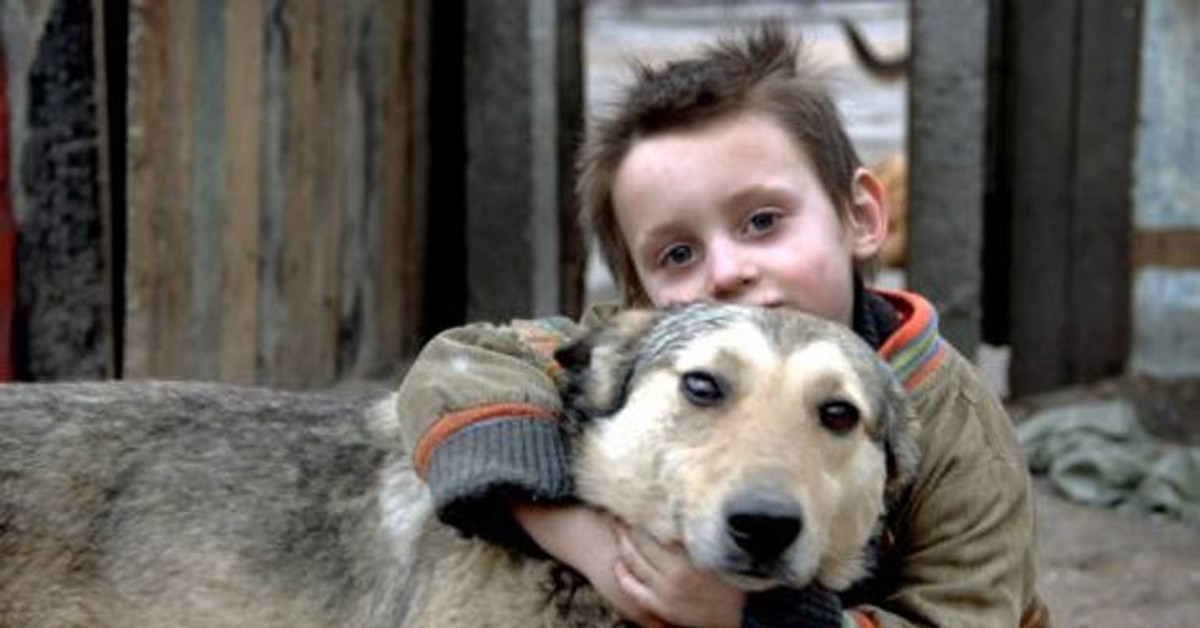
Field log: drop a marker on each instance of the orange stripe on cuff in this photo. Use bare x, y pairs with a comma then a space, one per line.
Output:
862, 620
449, 424
1035, 615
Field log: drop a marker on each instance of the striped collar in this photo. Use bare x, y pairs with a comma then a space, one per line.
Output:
915, 349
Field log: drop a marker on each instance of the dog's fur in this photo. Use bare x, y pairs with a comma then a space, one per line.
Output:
765, 442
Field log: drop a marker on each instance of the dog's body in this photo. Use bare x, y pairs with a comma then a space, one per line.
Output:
760, 440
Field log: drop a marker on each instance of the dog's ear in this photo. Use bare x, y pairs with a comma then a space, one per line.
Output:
599, 363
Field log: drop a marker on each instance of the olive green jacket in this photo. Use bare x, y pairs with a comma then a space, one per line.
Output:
480, 403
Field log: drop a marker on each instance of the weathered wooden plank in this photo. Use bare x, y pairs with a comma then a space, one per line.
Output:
1166, 248
274, 196
240, 280
1071, 90
1040, 49
383, 229
204, 142
332, 167
398, 240
1101, 214
8, 237
359, 182
305, 352
572, 252
271, 223
513, 204
411, 87
158, 273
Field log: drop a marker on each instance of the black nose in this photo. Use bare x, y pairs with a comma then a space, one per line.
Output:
764, 527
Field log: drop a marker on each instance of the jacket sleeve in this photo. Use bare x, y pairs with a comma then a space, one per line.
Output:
479, 408
964, 550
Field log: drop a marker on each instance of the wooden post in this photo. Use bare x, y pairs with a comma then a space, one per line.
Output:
515, 154
1064, 157
8, 238
64, 306
947, 118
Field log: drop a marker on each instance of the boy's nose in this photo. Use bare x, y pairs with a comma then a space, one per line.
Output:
728, 272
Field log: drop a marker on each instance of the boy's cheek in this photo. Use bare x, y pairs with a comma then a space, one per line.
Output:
664, 296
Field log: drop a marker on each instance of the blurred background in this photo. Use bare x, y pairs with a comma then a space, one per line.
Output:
300, 193
297, 192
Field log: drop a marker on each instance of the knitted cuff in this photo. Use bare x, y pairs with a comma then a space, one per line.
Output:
813, 606
474, 471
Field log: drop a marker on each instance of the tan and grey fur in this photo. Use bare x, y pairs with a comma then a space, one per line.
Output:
173, 504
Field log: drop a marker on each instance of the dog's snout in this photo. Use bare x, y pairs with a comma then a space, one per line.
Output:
764, 527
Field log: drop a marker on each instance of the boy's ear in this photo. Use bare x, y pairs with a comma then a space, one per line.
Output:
868, 223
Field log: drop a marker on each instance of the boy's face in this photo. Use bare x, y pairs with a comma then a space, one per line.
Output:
734, 211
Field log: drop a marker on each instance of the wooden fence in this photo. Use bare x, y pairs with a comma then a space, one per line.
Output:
285, 192
273, 227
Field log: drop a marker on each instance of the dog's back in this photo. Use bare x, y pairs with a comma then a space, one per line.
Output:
181, 504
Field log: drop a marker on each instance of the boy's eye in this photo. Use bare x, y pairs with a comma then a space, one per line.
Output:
678, 255
761, 222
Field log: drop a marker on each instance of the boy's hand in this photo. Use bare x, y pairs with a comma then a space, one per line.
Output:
663, 580
586, 539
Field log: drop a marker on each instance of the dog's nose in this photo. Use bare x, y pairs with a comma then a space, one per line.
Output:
764, 526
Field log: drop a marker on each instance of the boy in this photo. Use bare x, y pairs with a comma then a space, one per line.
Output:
728, 177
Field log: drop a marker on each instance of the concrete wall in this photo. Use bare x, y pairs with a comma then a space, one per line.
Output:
1166, 308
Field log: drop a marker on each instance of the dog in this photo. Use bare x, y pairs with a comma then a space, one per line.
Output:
766, 442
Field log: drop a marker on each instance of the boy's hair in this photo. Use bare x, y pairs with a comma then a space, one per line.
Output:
758, 72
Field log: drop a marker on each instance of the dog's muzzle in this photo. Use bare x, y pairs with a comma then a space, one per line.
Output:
761, 527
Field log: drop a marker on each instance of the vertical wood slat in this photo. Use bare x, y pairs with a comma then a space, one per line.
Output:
1071, 82
305, 352
1039, 161
572, 252
404, 163
1100, 282
381, 281
159, 277
204, 119
268, 167
239, 321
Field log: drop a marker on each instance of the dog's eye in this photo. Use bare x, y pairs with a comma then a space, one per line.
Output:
838, 417
702, 389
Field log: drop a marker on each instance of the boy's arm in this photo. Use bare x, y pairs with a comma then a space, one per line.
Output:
965, 547
479, 409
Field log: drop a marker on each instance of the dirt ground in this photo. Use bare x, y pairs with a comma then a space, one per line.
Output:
1108, 569
1104, 568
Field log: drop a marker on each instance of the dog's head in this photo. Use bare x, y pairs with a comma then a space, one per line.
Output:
762, 440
